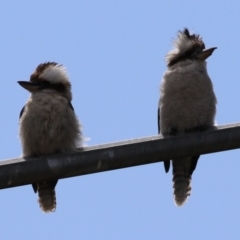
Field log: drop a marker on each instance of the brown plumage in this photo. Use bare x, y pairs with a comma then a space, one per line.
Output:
48, 124
187, 103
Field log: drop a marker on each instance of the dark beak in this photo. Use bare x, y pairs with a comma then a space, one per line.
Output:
31, 87
205, 53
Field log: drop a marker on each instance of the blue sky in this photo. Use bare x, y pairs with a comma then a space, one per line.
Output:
114, 52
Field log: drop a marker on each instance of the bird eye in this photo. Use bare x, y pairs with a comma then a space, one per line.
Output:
44, 84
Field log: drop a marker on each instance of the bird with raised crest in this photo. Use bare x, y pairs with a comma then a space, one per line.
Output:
187, 103
48, 124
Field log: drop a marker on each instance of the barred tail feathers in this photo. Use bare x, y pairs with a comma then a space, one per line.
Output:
47, 196
182, 180
182, 188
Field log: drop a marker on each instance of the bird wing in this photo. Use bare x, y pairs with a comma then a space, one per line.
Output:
167, 162
193, 164
71, 106
21, 113
158, 120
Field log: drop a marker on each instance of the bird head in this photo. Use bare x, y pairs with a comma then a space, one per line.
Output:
49, 77
187, 49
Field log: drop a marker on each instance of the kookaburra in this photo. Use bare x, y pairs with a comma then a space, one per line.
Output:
187, 103
48, 124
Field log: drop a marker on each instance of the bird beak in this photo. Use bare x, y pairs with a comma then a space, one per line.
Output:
31, 87
205, 53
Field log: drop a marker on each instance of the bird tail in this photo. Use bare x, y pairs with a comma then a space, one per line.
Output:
47, 196
182, 171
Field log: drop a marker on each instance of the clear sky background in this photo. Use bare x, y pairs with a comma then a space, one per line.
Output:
114, 52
